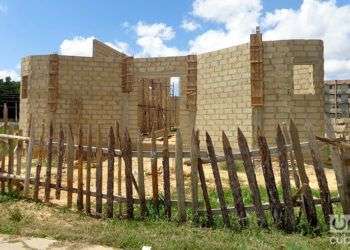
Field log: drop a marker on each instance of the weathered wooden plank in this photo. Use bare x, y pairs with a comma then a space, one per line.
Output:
194, 175
61, 152
88, 172
154, 171
11, 158
127, 156
70, 166
29, 160
289, 218
80, 196
110, 173
234, 181
166, 175
39, 164
276, 207
19, 153
320, 175
291, 156
309, 206
253, 185
49, 164
217, 178
119, 173
141, 176
2, 169
180, 185
201, 174
341, 171
3, 157
99, 173
266, 206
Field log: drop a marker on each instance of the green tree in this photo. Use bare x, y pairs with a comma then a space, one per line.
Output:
8, 87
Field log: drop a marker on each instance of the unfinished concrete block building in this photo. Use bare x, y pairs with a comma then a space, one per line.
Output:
258, 84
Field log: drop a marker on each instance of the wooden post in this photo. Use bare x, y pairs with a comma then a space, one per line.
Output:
342, 172
291, 156
308, 202
218, 184
49, 164
210, 219
180, 185
88, 172
61, 152
119, 174
289, 219
110, 173
29, 160
127, 156
19, 154
320, 175
194, 175
275, 204
253, 185
154, 170
3, 157
99, 173
141, 176
11, 159
70, 166
2, 170
80, 196
39, 164
166, 174
234, 181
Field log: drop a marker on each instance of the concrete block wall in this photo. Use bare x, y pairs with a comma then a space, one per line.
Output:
288, 66
223, 94
89, 91
36, 103
92, 90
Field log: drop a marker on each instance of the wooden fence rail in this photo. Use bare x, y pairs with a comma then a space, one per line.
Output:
65, 169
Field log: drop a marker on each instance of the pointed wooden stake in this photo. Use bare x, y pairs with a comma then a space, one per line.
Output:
110, 174
308, 202
234, 181
289, 218
253, 185
49, 164
218, 184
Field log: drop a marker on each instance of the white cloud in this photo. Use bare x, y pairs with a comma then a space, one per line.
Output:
77, 46
9, 72
82, 46
152, 37
189, 25
318, 20
239, 17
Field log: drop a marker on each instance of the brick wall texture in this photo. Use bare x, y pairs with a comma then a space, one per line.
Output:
105, 88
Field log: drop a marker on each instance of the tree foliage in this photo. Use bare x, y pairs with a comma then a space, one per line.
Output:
8, 87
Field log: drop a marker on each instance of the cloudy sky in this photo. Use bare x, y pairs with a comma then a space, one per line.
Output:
165, 28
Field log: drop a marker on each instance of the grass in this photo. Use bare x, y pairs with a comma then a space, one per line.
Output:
24, 217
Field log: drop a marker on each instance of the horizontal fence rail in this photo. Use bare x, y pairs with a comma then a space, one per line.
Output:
102, 181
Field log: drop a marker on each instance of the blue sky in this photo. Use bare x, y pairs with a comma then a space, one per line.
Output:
159, 27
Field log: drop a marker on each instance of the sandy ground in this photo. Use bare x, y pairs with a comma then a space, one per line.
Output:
187, 173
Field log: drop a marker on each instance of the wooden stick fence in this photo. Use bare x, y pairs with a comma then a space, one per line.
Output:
120, 149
